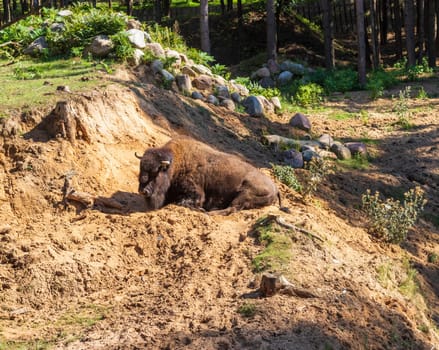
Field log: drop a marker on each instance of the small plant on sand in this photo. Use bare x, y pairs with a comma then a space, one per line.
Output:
287, 176
402, 109
247, 309
390, 220
318, 169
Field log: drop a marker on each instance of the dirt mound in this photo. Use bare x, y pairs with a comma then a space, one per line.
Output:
77, 278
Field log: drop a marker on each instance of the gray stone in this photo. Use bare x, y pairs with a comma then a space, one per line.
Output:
295, 68
241, 89
228, 103
156, 49
138, 38
173, 55
267, 82
136, 59
156, 66
293, 158
262, 72
307, 147
200, 69
57, 27
184, 83
267, 104
202, 82
196, 95
100, 46
300, 121
64, 13
357, 148
341, 151
308, 155
222, 92
273, 66
213, 100
254, 107
275, 101
134, 24
36, 47
236, 97
326, 140
167, 77
284, 77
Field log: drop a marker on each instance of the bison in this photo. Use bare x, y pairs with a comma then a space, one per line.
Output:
192, 174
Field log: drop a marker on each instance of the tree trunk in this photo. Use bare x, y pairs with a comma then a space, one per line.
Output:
129, 4
409, 22
158, 11
327, 32
397, 24
361, 42
166, 8
271, 31
374, 34
223, 7
384, 24
431, 46
204, 26
229, 5
239, 9
6, 11
421, 29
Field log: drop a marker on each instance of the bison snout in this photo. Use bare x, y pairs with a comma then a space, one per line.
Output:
146, 192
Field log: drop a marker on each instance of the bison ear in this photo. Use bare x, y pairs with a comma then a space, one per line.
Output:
164, 165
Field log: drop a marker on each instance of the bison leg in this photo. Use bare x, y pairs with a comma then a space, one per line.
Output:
191, 196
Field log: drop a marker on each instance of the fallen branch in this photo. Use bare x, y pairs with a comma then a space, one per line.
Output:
278, 140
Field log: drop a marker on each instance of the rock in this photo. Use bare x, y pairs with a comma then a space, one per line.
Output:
136, 59
36, 47
273, 66
275, 101
228, 103
213, 100
254, 107
267, 82
284, 77
300, 121
64, 13
63, 88
295, 68
326, 140
309, 147
308, 155
100, 46
202, 82
293, 158
341, 151
241, 89
236, 97
222, 92
156, 49
134, 24
189, 71
57, 27
167, 77
156, 66
357, 148
184, 83
267, 104
262, 72
172, 54
196, 95
200, 69
138, 38
219, 80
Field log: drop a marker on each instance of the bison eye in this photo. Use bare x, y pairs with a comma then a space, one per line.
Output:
144, 179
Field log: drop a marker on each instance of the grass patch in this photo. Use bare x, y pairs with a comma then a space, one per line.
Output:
33, 83
342, 115
409, 286
25, 345
277, 248
85, 317
385, 274
247, 310
357, 162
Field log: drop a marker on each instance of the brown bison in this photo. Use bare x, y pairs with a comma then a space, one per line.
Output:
192, 174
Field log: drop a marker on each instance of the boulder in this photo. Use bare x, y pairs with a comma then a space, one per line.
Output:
222, 92
295, 68
241, 89
267, 104
200, 69
64, 13
184, 83
156, 49
213, 100
342, 152
267, 82
293, 158
275, 101
300, 121
136, 59
167, 77
284, 77
263, 72
326, 140
100, 46
156, 66
138, 38
36, 47
189, 71
228, 103
196, 95
253, 106
308, 155
57, 27
173, 55
134, 24
273, 66
357, 148
236, 97
202, 82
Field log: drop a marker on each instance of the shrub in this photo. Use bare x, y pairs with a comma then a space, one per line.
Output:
308, 95
390, 220
401, 108
255, 89
123, 49
287, 176
318, 169
379, 80
247, 310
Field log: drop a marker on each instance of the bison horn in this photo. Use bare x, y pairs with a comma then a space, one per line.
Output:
166, 162
137, 156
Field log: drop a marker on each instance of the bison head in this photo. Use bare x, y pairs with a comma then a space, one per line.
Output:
154, 177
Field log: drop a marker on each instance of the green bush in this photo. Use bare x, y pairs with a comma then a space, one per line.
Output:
379, 80
123, 48
318, 170
335, 80
255, 89
390, 220
308, 95
287, 176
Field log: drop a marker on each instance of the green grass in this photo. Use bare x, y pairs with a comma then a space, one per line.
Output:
28, 83
247, 309
356, 162
337, 115
25, 345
